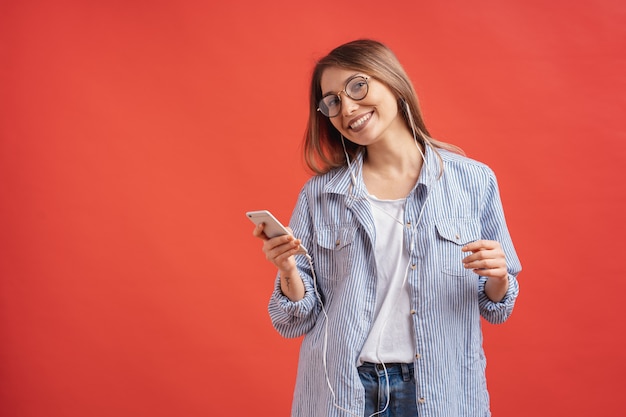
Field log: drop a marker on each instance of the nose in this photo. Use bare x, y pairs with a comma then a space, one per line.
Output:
348, 105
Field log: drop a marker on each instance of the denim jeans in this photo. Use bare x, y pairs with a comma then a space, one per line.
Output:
402, 397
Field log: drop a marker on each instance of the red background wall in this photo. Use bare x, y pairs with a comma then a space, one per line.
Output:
135, 134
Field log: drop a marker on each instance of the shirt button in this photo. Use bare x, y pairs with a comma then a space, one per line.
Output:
418, 356
457, 236
413, 311
408, 224
413, 267
421, 400
337, 243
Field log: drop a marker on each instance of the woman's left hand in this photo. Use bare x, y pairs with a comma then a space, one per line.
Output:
486, 259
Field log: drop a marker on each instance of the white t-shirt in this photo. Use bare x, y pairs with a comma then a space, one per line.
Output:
391, 336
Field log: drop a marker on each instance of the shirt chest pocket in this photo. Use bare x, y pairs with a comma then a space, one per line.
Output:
334, 248
452, 235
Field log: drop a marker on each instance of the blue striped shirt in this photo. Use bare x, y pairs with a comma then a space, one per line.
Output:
333, 219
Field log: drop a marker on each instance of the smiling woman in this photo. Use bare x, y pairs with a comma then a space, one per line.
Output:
353, 115
342, 73
386, 192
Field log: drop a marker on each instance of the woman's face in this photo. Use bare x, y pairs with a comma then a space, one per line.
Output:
366, 121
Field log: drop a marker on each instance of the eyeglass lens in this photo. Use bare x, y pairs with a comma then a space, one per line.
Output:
356, 88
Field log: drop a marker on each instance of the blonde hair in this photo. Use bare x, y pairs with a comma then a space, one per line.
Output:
323, 150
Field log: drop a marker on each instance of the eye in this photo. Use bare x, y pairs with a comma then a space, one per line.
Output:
357, 88
331, 101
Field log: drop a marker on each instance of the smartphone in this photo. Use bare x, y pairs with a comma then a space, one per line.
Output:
272, 227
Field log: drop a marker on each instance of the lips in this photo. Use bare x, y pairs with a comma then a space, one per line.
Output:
358, 123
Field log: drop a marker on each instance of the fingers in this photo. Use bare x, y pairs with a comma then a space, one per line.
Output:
481, 245
258, 231
278, 250
487, 258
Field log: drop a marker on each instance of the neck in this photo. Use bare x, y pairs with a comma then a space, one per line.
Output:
391, 171
399, 156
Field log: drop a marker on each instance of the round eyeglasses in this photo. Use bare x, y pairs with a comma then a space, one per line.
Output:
356, 88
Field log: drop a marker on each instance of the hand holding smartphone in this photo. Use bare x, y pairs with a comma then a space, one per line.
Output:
272, 227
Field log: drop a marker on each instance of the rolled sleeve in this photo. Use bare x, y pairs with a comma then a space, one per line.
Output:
499, 312
293, 318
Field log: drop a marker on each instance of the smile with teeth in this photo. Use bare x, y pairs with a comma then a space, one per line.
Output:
358, 122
